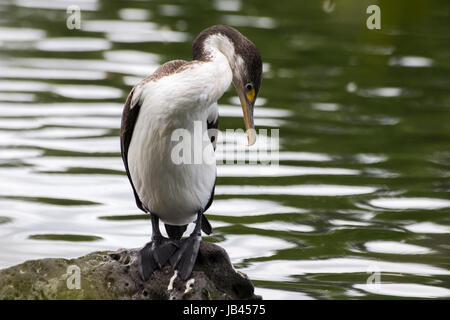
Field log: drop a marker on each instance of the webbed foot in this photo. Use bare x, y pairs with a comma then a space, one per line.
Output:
184, 258
155, 255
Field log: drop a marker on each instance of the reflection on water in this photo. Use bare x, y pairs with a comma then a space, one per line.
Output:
85, 5
278, 171
280, 270
133, 32
272, 294
249, 207
49, 74
405, 290
255, 246
281, 226
414, 62
428, 227
362, 182
299, 190
71, 44
395, 248
20, 34
410, 203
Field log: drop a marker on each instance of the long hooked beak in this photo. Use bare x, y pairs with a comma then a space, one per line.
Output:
247, 108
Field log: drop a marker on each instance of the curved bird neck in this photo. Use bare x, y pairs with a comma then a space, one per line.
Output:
207, 49
215, 42
219, 57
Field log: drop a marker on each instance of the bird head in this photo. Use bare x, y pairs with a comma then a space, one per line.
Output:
246, 65
247, 78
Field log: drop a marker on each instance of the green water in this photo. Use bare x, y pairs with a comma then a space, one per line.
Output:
362, 189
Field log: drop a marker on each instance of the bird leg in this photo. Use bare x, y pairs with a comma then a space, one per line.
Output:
156, 253
184, 259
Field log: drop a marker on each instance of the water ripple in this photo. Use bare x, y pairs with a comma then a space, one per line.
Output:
249, 207
21, 34
85, 5
249, 21
242, 247
286, 269
406, 290
299, 190
281, 226
115, 64
44, 73
410, 203
427, 227
273, 294
73, 44
135, 14
134, 31
278, 171
408, 61
88, 92
395, 247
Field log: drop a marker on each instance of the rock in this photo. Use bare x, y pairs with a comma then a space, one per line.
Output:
114, 275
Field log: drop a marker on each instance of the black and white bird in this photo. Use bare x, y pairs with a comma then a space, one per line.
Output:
176, 96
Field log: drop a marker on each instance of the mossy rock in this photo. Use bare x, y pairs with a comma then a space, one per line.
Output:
114, 275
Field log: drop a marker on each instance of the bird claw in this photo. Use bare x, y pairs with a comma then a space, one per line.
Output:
155, 255
181, 254
184, 258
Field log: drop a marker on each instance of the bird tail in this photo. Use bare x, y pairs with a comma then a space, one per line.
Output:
206, 226
175, 232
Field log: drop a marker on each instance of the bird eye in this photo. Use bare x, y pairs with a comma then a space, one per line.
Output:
249, 86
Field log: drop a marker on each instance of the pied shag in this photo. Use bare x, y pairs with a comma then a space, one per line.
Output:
176, 96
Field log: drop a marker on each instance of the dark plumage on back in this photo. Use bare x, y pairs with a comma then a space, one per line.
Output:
166, 69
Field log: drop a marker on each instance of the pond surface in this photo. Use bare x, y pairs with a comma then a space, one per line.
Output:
362, 188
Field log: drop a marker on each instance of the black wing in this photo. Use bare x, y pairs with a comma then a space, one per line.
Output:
129, 118
213, 127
